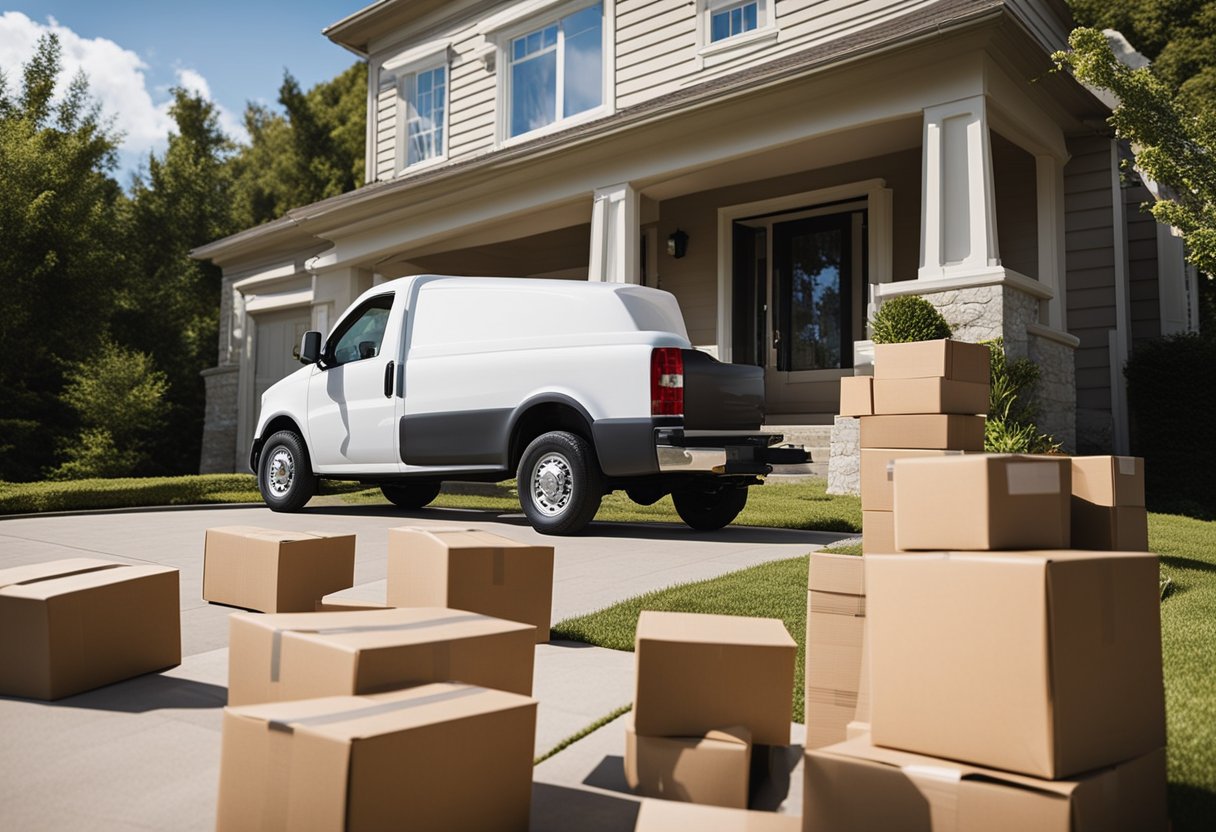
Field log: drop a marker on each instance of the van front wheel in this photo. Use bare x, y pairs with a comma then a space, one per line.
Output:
285, 475
560, 484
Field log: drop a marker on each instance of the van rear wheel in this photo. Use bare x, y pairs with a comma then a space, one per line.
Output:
708, 508
560, 484
411, 495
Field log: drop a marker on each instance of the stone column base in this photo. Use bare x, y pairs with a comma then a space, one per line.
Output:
844, 461
219, 454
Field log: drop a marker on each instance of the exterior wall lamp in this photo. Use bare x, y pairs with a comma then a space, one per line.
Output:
677, 244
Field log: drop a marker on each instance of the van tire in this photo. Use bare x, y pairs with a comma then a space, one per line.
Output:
285, 475
411, 495
708, 508
560, 483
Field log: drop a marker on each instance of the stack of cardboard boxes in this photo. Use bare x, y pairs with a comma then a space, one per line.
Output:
924, 400
1014, 679
382, 715
708, 688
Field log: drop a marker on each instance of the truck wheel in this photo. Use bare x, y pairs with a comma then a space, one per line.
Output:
411, 495
285, 475
709, 508
560, 484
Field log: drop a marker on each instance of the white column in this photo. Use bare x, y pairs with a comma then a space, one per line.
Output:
958, 208
615, 235
333, 291
1049, 190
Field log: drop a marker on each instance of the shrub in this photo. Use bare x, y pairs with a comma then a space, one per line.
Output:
908, 318
30, 497
1172, 399
1010, 428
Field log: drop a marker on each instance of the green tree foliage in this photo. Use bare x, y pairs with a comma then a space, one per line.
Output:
312, 151
170, 306
62, 252
1175, 146
117, 395
908, 318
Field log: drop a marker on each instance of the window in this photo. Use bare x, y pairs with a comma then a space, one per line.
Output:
425, 96
361, 334
555, 71
733, 20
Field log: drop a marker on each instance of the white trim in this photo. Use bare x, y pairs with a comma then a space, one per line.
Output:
1049, 197
423, 54
1052, 334
434, 60
712, 53
878, 200
615, 235
998, 276
1173, 278
501, 29
271, 275
1117, 339
277, 301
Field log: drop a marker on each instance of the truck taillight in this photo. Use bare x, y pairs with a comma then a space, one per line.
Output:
667, 382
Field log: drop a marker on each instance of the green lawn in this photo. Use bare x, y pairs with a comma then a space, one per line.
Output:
1188, 621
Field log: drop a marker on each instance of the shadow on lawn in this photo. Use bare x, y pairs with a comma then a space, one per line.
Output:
1191, 808
1177, 562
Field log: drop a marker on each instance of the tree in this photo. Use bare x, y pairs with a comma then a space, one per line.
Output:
62, 252
170, 306
1174, 144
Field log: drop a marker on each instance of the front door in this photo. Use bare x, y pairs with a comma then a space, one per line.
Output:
798, 279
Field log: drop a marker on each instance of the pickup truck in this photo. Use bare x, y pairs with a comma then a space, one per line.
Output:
574, 388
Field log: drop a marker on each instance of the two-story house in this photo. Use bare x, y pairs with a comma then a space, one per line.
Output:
778, 165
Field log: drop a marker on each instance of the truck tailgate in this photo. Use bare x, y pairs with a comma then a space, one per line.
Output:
721, 396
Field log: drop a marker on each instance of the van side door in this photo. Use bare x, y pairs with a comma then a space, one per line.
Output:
351, 402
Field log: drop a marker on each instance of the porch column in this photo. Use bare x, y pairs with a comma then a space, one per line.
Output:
615, 235
1049, 173
958, 208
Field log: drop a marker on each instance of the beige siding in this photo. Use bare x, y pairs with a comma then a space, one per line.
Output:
386, 128
657, 47
1143, 292
1090, 263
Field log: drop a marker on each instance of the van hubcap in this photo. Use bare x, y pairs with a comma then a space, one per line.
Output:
281, 471
551, 484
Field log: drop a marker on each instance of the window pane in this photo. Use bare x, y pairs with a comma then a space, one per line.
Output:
584, 61
749, 17
720, 26
520, 47
363, 337
425, 101
533, 93
550, 36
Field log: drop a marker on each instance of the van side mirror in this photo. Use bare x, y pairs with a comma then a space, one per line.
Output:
310, 347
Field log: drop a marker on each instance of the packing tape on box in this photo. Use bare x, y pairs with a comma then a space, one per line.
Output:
1024, 479
289, 725
68, 574
939, 785
276, 642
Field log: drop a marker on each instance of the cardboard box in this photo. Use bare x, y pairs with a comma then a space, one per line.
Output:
855, 785
878, 532
1043, 663
944, 358
275, 658
438, 757
940, 431
983, 502
712, 768
878, 474
856, 396
270, 570
835, 619
1108, 480
929, 395
343, 605
1109, 528
73, 625
472, 570
666, 815
697, 673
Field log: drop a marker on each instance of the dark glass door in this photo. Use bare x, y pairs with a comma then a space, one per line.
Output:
812, 293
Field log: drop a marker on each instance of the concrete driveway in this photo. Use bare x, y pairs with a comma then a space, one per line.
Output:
144, 754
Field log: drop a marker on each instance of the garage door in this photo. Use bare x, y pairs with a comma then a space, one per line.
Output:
275, 336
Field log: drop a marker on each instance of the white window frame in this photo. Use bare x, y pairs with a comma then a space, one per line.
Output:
410, 63
710, 52
501, 30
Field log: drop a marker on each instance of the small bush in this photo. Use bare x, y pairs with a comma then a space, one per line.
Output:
1010, 427
77, 495
908, 318
1171, 389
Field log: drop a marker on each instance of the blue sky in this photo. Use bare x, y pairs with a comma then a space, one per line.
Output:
232, 52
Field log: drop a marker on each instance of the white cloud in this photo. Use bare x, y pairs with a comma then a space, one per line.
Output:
117, 80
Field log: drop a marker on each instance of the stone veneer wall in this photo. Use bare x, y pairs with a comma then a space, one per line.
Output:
219, 425
1056, 396
844, 462
982, 313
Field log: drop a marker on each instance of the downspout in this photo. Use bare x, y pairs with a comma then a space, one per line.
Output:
1118, 337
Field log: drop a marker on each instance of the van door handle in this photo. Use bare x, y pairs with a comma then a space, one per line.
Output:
388, 379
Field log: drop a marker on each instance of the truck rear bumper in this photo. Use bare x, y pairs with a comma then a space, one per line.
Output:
680, 451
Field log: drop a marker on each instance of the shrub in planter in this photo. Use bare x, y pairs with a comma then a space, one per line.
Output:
908, 318
1010, 428
1171, 396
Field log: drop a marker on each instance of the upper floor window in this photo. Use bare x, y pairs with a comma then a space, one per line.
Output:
425, 96
555, 71
733, 20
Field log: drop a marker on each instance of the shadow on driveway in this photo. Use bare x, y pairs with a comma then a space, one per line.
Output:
152, 692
